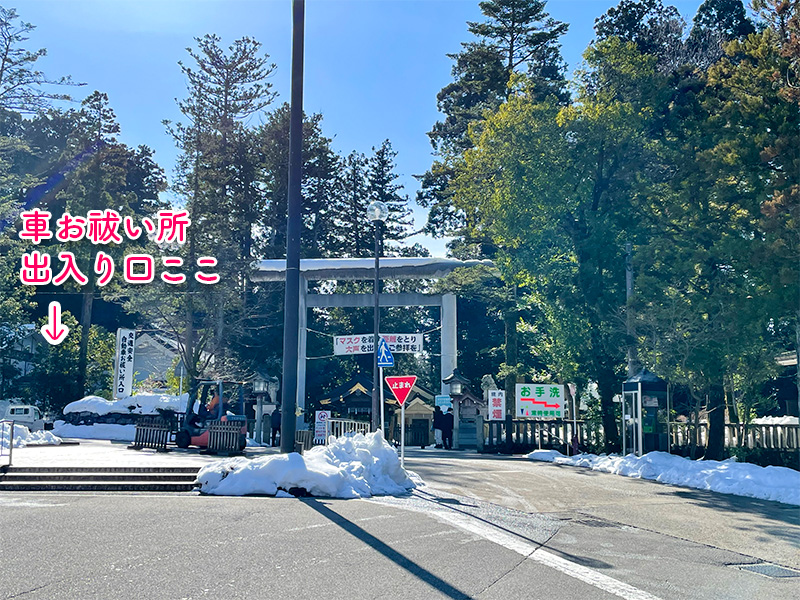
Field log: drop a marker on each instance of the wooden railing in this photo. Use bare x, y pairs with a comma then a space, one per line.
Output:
527, 435
225, 436
737, 435
152, 432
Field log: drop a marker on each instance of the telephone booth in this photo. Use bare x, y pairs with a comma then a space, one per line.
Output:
645, 414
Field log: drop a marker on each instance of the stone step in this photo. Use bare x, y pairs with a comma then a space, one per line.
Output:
95, 486
13, 469
98, 476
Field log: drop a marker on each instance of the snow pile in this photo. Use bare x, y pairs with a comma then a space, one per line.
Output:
356, 466
98, 431
139, 404
776, 421
25, 437
728, 477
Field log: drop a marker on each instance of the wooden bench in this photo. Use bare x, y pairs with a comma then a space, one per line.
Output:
151, 432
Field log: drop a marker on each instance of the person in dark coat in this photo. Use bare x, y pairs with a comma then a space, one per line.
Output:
275, 421
438, 415
447, 429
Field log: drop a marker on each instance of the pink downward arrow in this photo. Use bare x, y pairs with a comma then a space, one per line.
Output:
53, 331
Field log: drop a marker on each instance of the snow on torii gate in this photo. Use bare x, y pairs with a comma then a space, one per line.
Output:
342, 269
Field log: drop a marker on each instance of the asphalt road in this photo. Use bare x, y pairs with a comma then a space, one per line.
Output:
482, 528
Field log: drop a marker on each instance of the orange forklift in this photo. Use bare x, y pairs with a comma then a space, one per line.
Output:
194, 431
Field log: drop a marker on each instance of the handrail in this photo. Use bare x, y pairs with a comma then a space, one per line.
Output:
10, 436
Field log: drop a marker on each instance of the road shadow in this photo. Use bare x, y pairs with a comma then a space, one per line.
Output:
403, 562
774, 518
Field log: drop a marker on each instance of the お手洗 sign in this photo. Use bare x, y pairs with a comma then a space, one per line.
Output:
540, 401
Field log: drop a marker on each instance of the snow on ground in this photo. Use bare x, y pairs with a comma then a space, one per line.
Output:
139, 404
356, 466
98, 431
25, 437
776, 421
728, 477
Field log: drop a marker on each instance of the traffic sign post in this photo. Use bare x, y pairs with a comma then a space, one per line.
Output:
385, 359
401, 387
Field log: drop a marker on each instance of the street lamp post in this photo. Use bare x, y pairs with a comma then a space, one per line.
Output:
377, 212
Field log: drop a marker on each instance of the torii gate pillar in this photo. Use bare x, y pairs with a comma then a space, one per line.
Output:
449, 338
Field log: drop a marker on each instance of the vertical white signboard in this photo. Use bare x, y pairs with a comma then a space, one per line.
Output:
497, 405
123, 363
320, 426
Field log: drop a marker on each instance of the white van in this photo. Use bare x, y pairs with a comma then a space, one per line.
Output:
24, 414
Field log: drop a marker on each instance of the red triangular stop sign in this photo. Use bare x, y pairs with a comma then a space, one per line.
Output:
401, 386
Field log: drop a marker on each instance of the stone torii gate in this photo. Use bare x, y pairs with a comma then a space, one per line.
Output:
357, 269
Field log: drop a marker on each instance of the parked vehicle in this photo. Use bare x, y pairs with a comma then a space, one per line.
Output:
27, 415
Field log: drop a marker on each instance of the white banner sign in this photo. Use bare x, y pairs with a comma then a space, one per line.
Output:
402, 343
123, 363
540, 401
497, 405
320, 422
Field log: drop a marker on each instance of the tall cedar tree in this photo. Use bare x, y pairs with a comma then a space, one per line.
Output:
218, 176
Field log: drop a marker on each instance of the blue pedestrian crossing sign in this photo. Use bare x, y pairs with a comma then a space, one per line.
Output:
385, 358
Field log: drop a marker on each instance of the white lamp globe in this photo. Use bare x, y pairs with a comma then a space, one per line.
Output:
377, 211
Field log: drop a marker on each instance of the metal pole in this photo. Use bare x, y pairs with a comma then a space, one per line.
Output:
403, 435
624, 425
291, 313
669, 416
639, 434
628, 309
180, 383
376, 406
383, 417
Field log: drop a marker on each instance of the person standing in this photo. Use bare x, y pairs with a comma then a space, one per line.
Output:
447, 429
438, 415
275, 422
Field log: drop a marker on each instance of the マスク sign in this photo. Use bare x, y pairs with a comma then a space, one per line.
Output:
540, 401
402, 343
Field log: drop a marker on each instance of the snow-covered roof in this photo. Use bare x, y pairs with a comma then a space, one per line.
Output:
364, 268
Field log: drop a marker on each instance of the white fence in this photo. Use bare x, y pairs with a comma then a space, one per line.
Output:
6, 440
343, 427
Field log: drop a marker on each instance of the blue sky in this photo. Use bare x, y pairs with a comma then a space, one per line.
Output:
372, 67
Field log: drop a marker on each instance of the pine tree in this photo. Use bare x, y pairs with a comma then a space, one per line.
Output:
382, 187
22, 87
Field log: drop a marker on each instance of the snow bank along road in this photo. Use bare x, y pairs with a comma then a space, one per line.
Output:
484, 528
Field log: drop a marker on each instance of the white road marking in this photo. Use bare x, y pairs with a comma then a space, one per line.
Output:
534, 552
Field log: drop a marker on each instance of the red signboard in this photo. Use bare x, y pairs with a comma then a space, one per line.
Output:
401, 386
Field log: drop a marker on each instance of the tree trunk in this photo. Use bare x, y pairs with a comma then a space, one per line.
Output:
607, 388
510, 318
86, 323
715, 448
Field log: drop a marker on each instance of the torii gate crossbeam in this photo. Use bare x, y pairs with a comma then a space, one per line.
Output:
363, 269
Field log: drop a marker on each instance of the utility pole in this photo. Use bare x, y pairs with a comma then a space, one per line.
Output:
291, 311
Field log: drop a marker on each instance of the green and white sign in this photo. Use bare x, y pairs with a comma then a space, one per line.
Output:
540, 401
